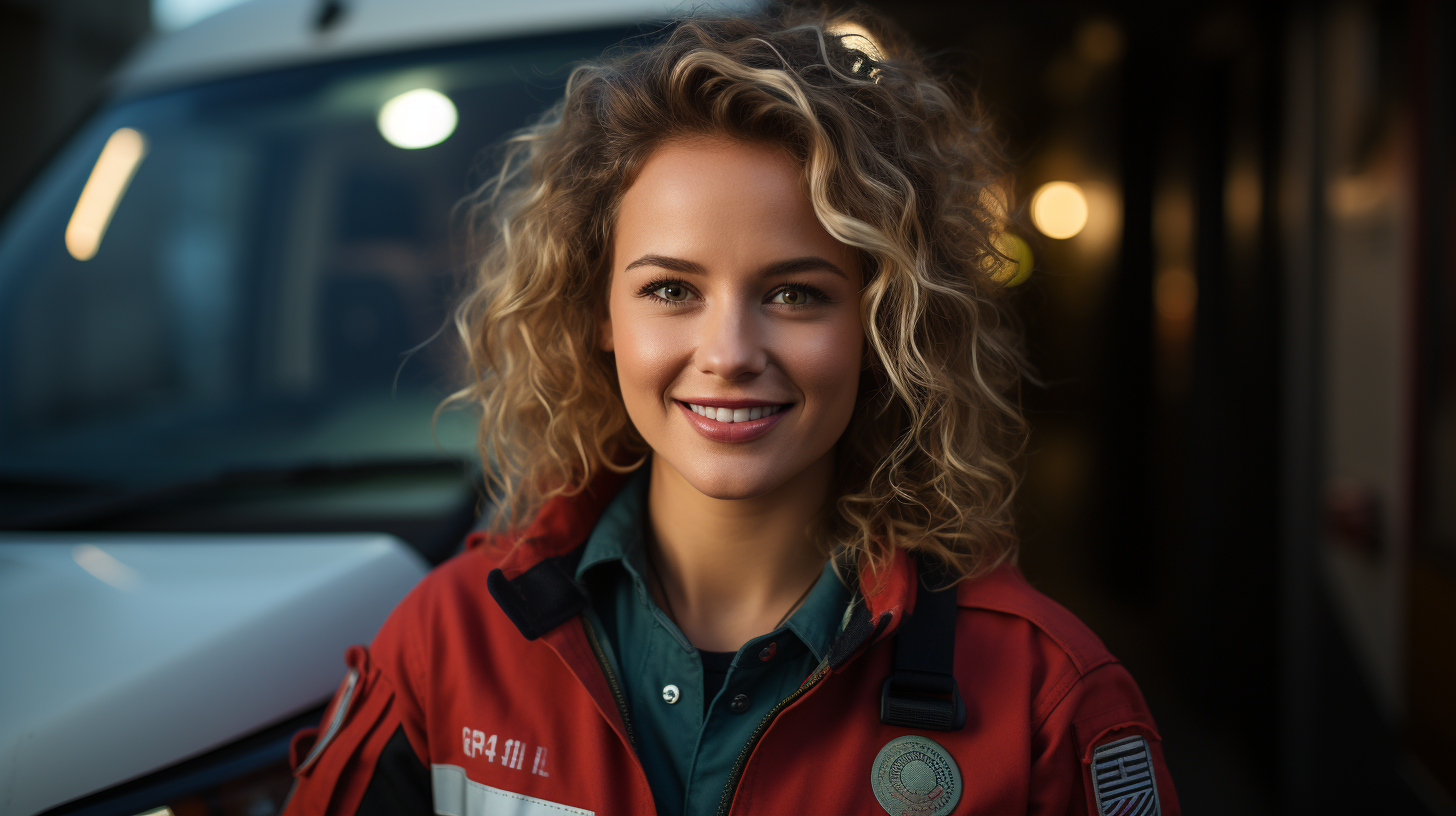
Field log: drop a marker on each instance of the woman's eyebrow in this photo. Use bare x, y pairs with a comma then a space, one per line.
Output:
787, 267
670, 264
804, 264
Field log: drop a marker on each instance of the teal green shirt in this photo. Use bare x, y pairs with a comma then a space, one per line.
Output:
689, 746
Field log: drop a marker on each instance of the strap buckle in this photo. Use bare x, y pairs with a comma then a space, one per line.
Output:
910, 699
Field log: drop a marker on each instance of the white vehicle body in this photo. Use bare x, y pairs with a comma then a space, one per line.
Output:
128, 652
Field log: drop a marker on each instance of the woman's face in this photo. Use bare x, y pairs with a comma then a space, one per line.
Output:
733, 316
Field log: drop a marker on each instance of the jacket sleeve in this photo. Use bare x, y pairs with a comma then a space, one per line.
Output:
368, 756
1100, 741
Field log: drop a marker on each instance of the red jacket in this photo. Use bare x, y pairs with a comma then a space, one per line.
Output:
469, 701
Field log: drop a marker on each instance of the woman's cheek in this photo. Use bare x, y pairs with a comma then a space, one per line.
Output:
825, 362
649, 352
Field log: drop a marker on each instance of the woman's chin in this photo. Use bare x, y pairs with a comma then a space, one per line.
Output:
732, 479
731, 487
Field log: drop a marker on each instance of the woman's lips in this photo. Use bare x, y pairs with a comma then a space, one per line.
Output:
739, 431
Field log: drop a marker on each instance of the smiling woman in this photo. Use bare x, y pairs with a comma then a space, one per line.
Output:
726, 293
749, 399
696, 315
884, 176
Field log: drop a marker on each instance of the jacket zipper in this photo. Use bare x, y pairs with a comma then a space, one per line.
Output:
726, 804
591, 636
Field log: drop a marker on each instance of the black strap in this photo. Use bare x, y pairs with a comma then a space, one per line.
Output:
921, 691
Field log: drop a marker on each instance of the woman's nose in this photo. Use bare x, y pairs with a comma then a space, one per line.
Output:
731, 345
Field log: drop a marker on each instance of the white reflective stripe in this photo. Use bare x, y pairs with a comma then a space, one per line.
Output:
458, 795
335, 722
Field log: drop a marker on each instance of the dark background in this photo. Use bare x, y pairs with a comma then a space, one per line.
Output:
1241, 486
1245, 431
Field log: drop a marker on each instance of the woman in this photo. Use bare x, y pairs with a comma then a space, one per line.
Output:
750, 398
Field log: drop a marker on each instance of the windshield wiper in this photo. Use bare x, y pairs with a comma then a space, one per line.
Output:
113, 503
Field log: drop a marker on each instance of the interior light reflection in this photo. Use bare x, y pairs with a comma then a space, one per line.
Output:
104, 566
103, 191
418, 118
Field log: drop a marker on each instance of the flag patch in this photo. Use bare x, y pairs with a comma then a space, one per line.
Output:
1122, 778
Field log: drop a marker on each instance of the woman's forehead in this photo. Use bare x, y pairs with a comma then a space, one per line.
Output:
719, 198
692, 168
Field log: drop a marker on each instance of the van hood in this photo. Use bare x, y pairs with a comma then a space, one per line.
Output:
121, 654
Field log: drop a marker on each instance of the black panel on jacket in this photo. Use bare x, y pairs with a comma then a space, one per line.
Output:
541, 598
400, 785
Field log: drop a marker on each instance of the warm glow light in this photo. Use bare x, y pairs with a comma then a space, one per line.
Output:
103, 191
1059, 209
418, 118
858, 38
1176, 295
1100, 238
1100, 42
1017, 269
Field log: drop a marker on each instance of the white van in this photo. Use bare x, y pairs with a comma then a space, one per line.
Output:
219, 309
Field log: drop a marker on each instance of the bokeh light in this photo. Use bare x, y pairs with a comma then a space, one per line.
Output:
104, 188
858, 38
418, 118
1015, 268
1176, 296
1100, 42
1059, 209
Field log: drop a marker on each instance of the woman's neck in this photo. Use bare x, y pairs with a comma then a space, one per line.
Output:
733, 568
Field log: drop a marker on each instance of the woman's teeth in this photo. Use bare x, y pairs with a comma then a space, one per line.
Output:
734, 414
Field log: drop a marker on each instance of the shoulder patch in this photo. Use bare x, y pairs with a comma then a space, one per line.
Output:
336, 720
915, 776
1123, 780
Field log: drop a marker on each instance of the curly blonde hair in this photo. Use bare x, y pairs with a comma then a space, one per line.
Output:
895, 165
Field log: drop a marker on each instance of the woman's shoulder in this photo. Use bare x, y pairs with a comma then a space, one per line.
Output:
457, 584
1016, 637
1085, 708
1004, 602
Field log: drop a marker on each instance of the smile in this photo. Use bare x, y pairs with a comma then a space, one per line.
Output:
733, 420
734, 414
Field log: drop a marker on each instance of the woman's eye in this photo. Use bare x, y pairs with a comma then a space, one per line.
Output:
672, 293
791, 297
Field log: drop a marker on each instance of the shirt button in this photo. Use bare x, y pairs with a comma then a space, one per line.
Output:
766, 653
670, 694
739, 704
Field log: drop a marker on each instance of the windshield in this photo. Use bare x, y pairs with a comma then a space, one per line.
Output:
249, 273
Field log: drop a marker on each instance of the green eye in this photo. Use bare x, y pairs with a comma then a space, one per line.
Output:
791, 297
672, 293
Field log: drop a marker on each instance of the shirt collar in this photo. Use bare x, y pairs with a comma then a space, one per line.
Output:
817, 620
618, 537
618, 533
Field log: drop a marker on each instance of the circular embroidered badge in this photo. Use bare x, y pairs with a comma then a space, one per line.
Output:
914, 776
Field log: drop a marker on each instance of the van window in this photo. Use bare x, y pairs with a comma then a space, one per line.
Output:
273, 280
